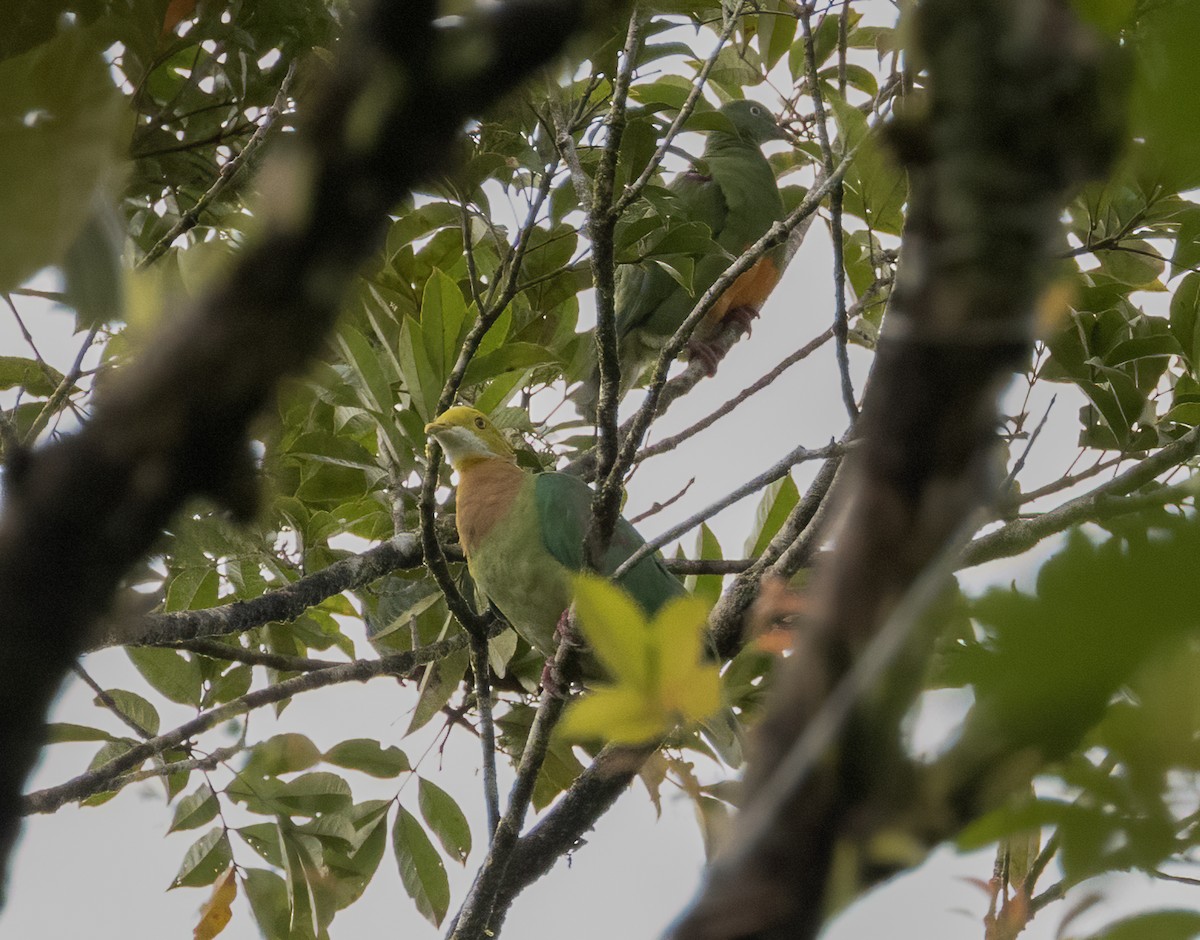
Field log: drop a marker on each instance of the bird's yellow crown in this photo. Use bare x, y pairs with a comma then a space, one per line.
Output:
466, 435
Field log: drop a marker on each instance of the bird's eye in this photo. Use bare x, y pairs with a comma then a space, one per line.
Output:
756, 110
480, 423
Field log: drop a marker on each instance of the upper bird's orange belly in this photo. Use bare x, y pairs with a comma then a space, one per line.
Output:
751, 289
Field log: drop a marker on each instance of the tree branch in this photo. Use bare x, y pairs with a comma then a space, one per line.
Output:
103, 777
284, 604
984, 217
175, 423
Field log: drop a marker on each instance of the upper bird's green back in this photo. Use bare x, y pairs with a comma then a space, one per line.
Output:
732, 191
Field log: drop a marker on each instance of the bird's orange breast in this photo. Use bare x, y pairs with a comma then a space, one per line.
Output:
486, 492
751, 289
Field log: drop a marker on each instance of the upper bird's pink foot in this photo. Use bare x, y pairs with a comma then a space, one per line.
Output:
744, 316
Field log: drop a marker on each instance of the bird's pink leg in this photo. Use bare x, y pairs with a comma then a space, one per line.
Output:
562, 633
744, 316
698, 349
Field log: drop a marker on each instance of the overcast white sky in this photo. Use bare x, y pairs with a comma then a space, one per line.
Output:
101, 872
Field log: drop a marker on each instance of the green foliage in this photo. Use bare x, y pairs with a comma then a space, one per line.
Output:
115, 126
1094, 672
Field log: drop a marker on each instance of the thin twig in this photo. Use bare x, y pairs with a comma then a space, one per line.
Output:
188, 220
208, 762
215, 649
1022, 534
108, 702
1065, 483
670, 443
63, 388
487, 730
634, 189
777, 470
659, 507
840, 318
1020, 464
101, 778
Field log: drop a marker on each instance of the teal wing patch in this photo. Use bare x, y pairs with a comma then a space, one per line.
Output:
563, 503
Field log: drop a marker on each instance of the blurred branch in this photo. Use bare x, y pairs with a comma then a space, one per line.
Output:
983, 222
174, 424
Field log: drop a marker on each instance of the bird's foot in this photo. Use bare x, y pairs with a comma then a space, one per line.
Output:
563, 634
698, 349
550, 683
744, 316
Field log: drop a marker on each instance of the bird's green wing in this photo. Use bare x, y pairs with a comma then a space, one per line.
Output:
647, 297
564, 503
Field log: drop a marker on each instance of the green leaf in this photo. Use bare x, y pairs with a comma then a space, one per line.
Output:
420, 380
369, 757
281, 754
314, 793
505, 359
1134, 262
1185, 309
438, 683
194, 587
707, 587
134, 707
1154, 925
364, 359
195, 809
58, 732
268, 897
92, 271
354, 870
170, 673
1165, 110
443, 315
33, 377
778, 501
875, 188
446, 819
421, 869
205, 860
62, 128
264, 838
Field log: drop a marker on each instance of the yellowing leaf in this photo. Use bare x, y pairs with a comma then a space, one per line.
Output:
615, 628
660, 679
619, 714
677, 632
217, 912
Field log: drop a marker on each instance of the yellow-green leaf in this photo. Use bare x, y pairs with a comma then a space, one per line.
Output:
614, 627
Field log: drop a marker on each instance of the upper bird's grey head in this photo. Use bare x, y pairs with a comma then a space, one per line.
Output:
752, 121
